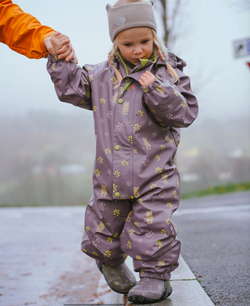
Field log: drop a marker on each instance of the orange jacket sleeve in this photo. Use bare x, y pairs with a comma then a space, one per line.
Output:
22, 32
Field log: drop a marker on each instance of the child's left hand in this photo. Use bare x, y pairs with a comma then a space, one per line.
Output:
146, 79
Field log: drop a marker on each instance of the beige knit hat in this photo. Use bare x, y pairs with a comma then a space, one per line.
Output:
131, 15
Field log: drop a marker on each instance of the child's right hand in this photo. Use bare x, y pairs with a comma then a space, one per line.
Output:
62, 46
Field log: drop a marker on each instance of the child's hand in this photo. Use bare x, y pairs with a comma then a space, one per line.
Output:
146, 79
61, 45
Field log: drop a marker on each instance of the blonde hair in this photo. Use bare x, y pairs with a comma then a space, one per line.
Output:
158, 44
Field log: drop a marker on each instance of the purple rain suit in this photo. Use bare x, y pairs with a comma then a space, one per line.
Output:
136, 185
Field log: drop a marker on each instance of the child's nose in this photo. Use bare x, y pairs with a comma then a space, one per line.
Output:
137, 50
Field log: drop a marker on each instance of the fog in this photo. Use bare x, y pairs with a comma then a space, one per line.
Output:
47, 147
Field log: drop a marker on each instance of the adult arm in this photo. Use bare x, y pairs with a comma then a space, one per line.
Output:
22, 32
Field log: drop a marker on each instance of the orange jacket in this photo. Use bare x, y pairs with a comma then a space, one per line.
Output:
22, 32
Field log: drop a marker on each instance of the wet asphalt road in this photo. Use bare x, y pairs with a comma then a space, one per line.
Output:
41, 263
215, 235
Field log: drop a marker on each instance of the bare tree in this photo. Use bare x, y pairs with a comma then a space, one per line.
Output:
168, 19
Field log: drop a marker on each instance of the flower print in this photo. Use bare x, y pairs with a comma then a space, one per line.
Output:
149, 234
87, 229
129, 184
101, 206
150, 122
134, 151
169, 116
169, 205
140, 240
107, 151
170, 106
154, 135
109, 114
175, 193
139, 171
102, 120
146, 162
106, 134
114, 188
163, 195
153, 186
95, 243
94, 109
109, 171
120, 126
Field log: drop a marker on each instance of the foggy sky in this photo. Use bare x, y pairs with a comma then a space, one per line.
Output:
205, 34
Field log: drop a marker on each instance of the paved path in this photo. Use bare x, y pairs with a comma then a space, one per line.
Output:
41, 263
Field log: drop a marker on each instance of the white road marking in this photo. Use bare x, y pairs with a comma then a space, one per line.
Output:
206, 210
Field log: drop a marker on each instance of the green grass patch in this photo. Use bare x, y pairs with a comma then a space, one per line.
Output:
221, 189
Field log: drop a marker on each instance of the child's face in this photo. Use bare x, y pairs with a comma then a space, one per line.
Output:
135, 43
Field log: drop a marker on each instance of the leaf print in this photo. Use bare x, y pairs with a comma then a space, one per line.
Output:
110, 240
124, 163
100, 159
158, 170
107, 253
117, 173
97, 173
116, 212
114, 80
139, 113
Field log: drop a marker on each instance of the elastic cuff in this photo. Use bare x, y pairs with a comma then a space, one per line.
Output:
165, 276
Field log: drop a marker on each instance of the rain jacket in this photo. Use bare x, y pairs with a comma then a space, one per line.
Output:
137, 128
22, 32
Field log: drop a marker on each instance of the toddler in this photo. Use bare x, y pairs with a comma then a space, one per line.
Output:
140, 98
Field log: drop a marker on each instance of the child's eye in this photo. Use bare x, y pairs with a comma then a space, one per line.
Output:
144, 41
127, 45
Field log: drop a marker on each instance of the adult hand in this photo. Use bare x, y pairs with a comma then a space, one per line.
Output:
60, 44
146, 79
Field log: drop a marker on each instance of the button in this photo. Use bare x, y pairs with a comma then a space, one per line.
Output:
117, 194
117, 148
132, 198
120, 101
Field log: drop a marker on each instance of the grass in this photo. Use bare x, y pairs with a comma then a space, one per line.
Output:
222, 189
216, 190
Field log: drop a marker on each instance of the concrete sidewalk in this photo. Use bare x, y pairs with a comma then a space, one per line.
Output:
186, 289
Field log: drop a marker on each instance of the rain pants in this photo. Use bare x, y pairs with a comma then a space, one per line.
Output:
136, 184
